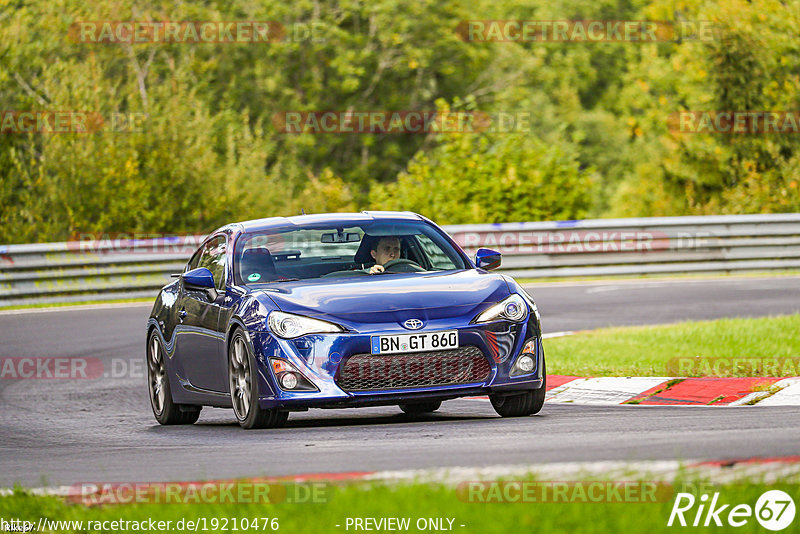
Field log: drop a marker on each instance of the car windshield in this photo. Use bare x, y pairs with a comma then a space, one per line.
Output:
342, 250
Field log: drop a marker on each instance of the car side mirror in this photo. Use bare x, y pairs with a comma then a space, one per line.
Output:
487, 259
200, 278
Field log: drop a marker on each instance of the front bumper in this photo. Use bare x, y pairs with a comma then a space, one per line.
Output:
321, 358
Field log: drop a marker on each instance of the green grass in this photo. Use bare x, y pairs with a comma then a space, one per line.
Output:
414, 501
648, 350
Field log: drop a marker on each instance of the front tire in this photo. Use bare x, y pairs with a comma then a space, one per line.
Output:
523, 404
421, 407
243, 382
164, 409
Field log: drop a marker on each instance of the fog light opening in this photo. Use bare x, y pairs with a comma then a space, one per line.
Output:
525, 363
289, 381
289, 378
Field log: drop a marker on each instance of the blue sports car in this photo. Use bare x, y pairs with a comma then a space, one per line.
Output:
340, 310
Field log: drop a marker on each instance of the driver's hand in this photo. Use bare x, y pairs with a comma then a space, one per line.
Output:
376, 269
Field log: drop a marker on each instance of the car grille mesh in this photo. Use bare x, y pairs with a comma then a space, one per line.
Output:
369, 372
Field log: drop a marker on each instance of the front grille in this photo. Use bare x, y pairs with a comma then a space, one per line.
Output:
370, 372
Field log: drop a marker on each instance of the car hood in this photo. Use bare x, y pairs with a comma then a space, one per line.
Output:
390, 298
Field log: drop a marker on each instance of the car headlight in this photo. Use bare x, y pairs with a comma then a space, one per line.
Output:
290, 326
532, 305
514, 308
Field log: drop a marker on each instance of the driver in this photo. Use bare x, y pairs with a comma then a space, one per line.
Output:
384, 250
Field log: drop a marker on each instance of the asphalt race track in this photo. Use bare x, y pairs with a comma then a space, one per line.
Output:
68, 431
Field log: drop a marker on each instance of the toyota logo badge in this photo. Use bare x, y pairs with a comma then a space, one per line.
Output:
413, 324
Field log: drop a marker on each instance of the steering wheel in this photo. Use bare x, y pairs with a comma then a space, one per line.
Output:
402, 265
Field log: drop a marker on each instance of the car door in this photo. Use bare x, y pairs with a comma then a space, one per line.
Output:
200, 343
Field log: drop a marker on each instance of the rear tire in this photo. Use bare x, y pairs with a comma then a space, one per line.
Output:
421, 407
164, 409
523, 404
243, 382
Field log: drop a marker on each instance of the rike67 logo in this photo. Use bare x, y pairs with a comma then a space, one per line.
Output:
774, 510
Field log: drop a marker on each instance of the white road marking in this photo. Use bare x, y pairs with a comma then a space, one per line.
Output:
557, 334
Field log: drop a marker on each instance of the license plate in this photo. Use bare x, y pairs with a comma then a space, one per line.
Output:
420, 342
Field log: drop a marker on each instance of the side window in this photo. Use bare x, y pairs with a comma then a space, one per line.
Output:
437, 257
213, 258
194, 261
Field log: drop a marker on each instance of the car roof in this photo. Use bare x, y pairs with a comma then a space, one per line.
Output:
324, 218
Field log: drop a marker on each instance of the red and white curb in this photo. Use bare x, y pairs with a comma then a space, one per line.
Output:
767, 470
606, 390
706, 391
671, 391
677, 391
788, 394
764, 470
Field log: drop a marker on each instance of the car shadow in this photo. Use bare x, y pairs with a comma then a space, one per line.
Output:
299, 420
322, 421
302, 421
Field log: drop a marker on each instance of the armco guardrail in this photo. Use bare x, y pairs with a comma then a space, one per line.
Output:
716, 244
116, 266
131, 268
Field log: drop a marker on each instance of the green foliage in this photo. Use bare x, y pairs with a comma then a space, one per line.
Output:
750, 65
209, 152
490, 178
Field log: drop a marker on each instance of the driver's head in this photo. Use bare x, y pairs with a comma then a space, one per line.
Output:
385, 249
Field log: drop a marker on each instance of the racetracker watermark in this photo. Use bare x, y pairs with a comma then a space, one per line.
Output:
69, 122
735, 122
580, 241
584, 31
734, 366
150, 243
70, 368
58, 368
581, 491
401, 122
204, 492
194, 32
